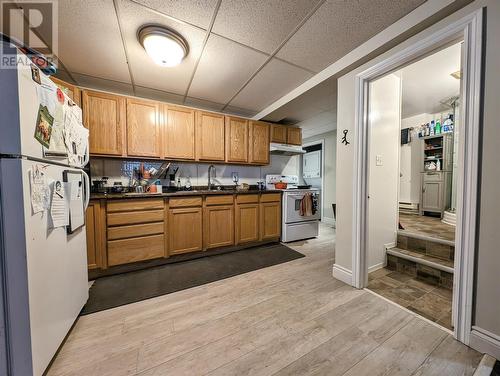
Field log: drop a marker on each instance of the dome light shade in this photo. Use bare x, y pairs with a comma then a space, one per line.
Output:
164, 46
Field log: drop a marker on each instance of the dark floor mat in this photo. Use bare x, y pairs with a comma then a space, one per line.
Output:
117, 290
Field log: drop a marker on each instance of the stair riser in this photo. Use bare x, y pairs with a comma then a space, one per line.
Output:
428, 247
425, 273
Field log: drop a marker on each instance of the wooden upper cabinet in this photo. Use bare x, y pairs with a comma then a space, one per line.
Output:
278, 133
70, 90
294, 136
209, 136
105, 116
258, 142
178, 133
143, 128
236, 139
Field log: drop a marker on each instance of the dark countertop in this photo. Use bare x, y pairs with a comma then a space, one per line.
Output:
96, 196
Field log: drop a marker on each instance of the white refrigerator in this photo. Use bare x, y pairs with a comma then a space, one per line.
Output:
43, 263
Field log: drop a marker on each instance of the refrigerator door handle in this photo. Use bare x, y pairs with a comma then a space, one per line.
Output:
87, 190
87, 156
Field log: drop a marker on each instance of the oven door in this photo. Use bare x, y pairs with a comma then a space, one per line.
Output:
292, 207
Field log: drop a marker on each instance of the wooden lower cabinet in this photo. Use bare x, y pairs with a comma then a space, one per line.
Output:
96, 243
124, 231
135, 230
270, 220
185, 230
219, 226
247, 222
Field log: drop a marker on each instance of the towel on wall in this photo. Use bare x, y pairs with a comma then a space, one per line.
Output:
306, 205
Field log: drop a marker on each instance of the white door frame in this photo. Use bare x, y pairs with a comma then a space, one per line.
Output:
322, 143
469, 29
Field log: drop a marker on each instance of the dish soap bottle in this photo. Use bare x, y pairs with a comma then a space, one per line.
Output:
438, 127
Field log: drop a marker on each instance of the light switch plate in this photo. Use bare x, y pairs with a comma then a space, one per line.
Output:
378, 160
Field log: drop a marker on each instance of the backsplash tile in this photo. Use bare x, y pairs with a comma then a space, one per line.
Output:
121, 170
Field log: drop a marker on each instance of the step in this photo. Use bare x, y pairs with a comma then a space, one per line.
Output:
420, 258
425, 268
426, 245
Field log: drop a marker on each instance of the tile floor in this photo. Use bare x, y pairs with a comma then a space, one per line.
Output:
288, 319
425, 225
429, 301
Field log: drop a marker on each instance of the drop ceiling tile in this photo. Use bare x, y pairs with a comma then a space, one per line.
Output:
146, 73
203, 104
224, 67
158, 95
89, 39
276, 79
338, 27
260, 24
103, 84
196, 12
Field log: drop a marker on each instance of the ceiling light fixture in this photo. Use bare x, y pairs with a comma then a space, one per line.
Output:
166, 47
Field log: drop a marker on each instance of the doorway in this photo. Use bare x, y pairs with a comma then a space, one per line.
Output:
469, 30
413, 166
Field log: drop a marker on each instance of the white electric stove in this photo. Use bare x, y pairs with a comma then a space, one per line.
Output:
293, 225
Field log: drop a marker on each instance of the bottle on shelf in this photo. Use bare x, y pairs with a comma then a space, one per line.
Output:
438, 127
432, 128
448, 124
438, 165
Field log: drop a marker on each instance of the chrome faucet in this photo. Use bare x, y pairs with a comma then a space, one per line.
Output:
210, 169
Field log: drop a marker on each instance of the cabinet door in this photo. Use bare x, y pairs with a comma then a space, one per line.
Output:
209, 136
219, 226
236, 139
178, 133
105, 115
259, 142
143, 128
270, 220
72, 91
185, 230
95, 232
247, 223
278, 133
432, 195
294, 136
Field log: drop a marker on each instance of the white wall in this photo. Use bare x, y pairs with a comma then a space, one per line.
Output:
487, 293
118, 170
330, 172
384, 140
411, 161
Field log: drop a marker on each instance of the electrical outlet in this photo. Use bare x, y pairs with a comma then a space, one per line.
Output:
378, 160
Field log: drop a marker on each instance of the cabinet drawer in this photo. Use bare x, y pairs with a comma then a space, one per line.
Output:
123, 232
247, 199
219, 200
270, 197
185, 202
132, 218
132, 205
433, 176
136, 249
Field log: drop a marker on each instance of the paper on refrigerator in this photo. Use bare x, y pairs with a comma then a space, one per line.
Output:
40, 191
75, 135
59, 212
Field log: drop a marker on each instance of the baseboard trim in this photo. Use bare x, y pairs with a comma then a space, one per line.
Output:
376, 267
342, 274
485, 367
485, 342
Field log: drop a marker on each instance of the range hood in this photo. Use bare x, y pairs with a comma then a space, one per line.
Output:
283, 149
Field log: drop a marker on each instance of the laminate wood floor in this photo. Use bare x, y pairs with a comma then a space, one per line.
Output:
288, 319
